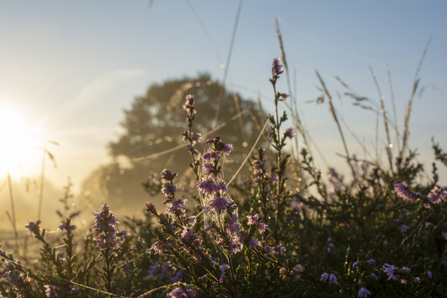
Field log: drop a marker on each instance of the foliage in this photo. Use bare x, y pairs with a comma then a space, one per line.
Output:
382, 234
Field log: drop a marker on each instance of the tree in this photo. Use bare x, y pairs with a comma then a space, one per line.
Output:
155, 123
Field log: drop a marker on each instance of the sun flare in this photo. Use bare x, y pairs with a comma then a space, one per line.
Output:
18, 144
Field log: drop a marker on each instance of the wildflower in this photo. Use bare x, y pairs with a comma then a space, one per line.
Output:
149, 206
208, 186
404, 281
253, 243
332, 279
177, 293
289, 133
281, 249
417, 280
50, 291
218, 203
402, 192
390, 270
192, 220
222, 269
253, 219
277, 67
363, 293
191, 293
178, 277
105, 222
371, 261
404, 228
151, 270
75, 290
324, 277
444, 234
297, 269
158, 247
270, 250
168, 175
284, 96
235, 247
67, 227
428, 224
405, 270
176, 207
374, 276
33, 228
429, 274
283, 271
355, 264
437, 195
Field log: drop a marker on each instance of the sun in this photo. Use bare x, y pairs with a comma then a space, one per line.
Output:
17, 142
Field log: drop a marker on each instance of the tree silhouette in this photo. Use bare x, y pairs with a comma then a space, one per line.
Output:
155, 123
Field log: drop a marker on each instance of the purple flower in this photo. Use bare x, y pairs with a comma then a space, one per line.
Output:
176, 207
208, 186
390, 271
284, 96
158, 247
191, 293
67, 227
75, 290
355, 264
262, 227
281, 249
178, 277
332, 279
429, 274
444, 234
270, 250
235, 246
324, 277
227, 148
371, 261
289, 133
277, 67
218, 203
253, 219
406, 270
105, 228
374, 276
151, 270
168, 175
404, 228
437, 195
363, 293
50, 291
222, 268
177, 293
402, 192
33, 228
253, 243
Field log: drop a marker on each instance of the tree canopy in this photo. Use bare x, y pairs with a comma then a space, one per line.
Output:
154, 125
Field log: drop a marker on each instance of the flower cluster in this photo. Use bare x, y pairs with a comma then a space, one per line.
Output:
105, 229
437, 195
33, 228
402, 191
66, 227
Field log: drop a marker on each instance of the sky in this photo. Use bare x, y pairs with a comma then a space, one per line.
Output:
69, 68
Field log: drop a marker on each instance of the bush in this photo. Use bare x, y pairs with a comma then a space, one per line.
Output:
382, 234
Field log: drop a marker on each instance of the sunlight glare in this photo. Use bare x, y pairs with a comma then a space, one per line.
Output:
17, 142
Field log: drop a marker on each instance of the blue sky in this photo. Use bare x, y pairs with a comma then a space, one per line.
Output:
71, 67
